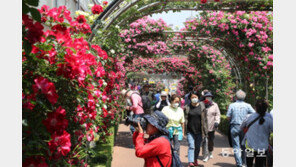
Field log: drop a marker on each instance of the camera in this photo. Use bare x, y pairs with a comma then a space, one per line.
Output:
134, 122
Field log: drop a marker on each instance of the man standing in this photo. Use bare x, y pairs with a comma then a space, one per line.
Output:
147, 98
236, 114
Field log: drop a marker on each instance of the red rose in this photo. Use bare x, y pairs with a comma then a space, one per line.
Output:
47, 88
55, 121
34, 30
217, 0
203, 1
101, 52
90, 135
33, 161
81, 19
60, 143
97, 9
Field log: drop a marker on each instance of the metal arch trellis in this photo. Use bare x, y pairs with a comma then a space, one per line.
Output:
209, 39
114, 11
114, 14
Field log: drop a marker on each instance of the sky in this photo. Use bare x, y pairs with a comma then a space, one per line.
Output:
177, 18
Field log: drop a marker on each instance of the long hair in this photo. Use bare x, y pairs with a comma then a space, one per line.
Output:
261, 108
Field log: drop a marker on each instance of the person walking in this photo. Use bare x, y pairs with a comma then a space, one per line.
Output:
147, 99
186, 97
196, 127
259, 126
175, 125
137, 105
213, 117
164, 101
157, 95
156, 150
237, 112
146, 92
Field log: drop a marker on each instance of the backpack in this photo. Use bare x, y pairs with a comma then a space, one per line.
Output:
176, 162
146, 104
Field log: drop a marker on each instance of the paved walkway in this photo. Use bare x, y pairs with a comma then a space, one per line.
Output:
123, 156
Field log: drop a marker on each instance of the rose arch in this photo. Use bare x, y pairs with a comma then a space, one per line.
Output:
243, 39
74, 69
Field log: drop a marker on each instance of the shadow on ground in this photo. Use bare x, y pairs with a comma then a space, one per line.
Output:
219, 141
222, 164
124, 139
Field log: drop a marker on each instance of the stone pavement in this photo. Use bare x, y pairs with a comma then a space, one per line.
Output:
123, 156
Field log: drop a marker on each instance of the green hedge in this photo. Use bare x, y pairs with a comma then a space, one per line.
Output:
104, 151
224, 125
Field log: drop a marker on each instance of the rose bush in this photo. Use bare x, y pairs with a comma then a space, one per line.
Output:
145, 38
69, 90
248, 39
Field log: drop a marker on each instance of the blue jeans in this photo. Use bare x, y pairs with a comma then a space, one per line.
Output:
135, 116
176, 143
194, 142
238, 149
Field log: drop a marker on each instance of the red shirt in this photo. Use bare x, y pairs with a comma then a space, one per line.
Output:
158, 147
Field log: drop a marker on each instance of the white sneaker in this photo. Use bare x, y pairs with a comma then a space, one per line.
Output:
211, 156
206, 159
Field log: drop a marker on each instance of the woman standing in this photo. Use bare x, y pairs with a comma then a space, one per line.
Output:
196, 127
213, 117
256, 139
176, 118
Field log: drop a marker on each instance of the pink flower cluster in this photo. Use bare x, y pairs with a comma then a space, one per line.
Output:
252, 33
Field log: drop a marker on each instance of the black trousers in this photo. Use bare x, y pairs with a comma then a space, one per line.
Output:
211, 137
260, 159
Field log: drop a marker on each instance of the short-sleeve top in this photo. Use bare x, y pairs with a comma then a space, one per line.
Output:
175, 116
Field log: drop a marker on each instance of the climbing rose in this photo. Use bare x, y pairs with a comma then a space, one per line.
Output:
269, 63
55, 121
35, 30
105, 2
101, 52
203, 1
47, 88
35, 161
60, 143
97, 9
81, 19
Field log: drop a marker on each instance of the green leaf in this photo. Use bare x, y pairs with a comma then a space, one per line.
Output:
33, 2
35, 14
27, 46
25, 8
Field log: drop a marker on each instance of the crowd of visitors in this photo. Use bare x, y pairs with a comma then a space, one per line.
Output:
197, 121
